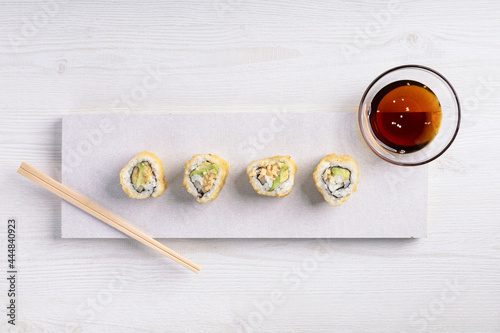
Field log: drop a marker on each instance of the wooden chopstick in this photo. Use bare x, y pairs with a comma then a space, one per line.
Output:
72, 197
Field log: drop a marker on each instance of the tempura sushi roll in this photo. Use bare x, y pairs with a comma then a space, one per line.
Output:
143, 177
272, 177
336, 178
204, 176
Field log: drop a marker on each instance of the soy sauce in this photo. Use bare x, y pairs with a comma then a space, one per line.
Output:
405, 116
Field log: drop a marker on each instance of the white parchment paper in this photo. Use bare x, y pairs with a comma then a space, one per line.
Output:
391, 201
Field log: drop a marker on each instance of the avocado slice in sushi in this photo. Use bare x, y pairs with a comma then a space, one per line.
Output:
142, 174
282, 177
203, 168
344, 173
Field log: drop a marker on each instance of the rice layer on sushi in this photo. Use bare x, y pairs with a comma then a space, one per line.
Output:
272, 177
336, 178
204, 176
143, 177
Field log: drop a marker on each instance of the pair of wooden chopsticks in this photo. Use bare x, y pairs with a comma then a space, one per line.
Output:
103, 215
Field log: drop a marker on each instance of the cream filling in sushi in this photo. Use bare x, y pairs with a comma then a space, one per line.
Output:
203, 177
272, 175
143, 178
337, 181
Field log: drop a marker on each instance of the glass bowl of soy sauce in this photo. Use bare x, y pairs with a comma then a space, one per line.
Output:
409, 115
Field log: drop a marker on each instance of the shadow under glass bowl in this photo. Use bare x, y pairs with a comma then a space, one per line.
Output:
450, 108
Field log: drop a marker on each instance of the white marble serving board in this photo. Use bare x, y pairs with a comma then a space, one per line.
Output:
391, 201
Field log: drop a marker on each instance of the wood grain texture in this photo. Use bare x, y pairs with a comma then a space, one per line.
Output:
60, 57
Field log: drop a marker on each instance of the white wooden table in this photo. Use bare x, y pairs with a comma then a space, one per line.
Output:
59, 57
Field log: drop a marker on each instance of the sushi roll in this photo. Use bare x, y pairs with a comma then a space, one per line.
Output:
272, 177
143, 177
204, 176
336, 178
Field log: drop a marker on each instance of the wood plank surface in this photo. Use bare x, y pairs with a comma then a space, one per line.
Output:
63, 57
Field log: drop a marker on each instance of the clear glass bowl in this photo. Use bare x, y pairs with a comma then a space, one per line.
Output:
450, 107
